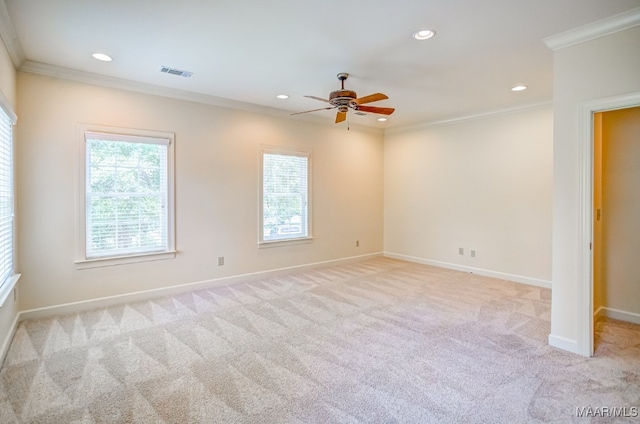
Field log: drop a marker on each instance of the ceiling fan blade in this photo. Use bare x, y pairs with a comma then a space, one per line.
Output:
374, 109
370, 98
341, 116
317, 98
313, 110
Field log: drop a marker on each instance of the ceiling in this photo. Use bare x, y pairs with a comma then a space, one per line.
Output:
249, 51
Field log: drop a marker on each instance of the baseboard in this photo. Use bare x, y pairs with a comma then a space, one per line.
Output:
84, 305
565, 344
603, 311
598, 314
484, 272
4, 349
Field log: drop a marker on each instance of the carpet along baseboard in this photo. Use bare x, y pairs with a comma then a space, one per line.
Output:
74, 307
603, 311
484, 272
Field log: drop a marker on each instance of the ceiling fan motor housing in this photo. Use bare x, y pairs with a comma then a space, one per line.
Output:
342, 97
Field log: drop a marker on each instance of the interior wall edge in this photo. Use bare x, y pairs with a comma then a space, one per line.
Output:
84, 305
4, 348
479, 271
626, 316
74, 75
474, 117
567, 344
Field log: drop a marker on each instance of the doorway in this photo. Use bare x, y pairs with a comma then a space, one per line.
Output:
616, 198
616, 208
585, 219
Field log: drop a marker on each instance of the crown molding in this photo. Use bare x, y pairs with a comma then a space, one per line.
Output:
594, 30
457, 120
189, 96
9, 37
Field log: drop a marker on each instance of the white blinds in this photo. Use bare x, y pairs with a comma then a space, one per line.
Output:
285, 202
126, 195
6, 198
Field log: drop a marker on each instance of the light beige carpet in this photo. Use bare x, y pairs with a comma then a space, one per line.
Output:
377, 341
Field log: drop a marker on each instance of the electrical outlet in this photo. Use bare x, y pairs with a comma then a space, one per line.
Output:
357, 243
460, 251
473, 253
220, 260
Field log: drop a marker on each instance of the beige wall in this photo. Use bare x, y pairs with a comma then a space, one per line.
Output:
620, 288
217, 168
602, 67
481, 184
9, 310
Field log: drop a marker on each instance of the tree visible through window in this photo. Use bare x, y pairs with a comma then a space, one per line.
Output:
285, 201
127, 198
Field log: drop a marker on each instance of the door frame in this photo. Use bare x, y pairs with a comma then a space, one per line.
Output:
585, 220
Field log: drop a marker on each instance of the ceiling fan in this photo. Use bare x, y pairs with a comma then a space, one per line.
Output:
344, 99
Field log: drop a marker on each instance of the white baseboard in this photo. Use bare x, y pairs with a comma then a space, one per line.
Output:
4, 349
565, 344
484, 272
603, 311
84, 305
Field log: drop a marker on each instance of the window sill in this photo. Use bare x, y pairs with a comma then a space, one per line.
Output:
7, 288
122, 260
282, 243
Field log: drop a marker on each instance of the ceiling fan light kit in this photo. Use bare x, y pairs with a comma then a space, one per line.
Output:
344, 99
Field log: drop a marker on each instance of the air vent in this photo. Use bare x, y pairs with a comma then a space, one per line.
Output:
360, 113
174, 71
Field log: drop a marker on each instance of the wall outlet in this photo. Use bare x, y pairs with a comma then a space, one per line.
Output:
220, 260
460, 251
473, 253
357, 243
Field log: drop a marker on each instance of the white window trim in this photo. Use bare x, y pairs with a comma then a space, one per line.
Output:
262, 244
7, 288
81, 260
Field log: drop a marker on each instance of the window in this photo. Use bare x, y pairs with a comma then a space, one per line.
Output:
285, 196
7, 276
128, 196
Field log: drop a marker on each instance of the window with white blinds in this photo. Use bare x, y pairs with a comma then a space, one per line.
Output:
128, 198
6, 198
285, 195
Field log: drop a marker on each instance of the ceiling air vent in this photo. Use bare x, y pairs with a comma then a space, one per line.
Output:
174, 71
360, 113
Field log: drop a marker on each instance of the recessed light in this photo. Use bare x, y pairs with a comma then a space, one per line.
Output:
282, 96
424, 34
382, 119
102, 57
519, 88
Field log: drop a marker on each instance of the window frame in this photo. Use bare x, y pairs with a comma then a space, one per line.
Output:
262, 243
127, 135
8, 284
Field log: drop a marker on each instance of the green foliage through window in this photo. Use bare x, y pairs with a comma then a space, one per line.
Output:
285, 200
126, 197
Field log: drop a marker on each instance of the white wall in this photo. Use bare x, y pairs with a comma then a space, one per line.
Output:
482, 184
603, 67
9, 310
217, 168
